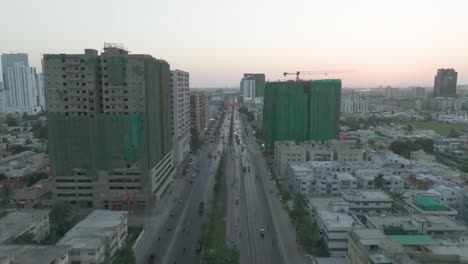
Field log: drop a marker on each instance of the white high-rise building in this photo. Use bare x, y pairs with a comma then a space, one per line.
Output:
248, 88
180, 111
22, 94
40, 91
3, 98
350, 105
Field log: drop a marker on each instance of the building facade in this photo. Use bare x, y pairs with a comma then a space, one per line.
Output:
180, 110
248, 89
258, 84
110, 142
23, 91
97, 237
445, 83
198, 112
285, 152
301, 110
8, 60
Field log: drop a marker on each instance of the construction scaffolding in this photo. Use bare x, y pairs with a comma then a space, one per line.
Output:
301, 110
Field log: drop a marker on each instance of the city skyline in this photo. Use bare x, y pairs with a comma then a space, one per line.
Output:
392, 43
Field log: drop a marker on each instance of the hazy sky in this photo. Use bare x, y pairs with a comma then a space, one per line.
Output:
393, 42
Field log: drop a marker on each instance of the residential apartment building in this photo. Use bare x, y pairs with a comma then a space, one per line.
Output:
285, 152
97, 237
25, 254
428, 206
8, 60
445, 83
301, 110
335, 221
371, 246
368, 202
352, 105
180, 110
254, 83
23, 92
198, 112
418, 92
417, 223
331, 184
18, 222
110, 142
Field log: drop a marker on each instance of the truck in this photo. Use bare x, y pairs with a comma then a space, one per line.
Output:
201, 207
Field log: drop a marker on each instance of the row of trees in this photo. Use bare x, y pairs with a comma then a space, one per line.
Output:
405, 147
307, 231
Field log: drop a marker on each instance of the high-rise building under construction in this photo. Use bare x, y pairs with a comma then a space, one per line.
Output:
109, 128
301, 110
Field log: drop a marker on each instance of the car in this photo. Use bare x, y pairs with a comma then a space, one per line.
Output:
237, 200
262, 232
169, 228
173, 213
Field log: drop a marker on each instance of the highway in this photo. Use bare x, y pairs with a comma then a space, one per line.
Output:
252, 208
289, 250
183, 245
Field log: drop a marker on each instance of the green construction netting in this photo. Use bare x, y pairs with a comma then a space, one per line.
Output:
324, 114
301, 110
117, 70
108, 141
105, 141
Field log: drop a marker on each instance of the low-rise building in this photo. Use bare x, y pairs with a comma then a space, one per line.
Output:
97, 237
417, 223
331, 184
368, 202
25, 254
428, 206
334, 221
287, 151
371, 246
451, 196
18, 222
317, 152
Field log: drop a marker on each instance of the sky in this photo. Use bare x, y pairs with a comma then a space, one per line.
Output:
399, 42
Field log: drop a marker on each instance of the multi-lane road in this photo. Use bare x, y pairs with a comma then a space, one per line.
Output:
251, 214
251, 205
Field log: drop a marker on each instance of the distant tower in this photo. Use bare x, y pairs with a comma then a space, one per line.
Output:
445, 83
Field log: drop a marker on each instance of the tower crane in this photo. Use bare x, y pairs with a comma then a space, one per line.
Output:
298, 73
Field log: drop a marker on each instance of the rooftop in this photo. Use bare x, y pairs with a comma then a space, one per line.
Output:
365, 195
414, 222
333, 213
89, 232
429, 204
32, 253
412, 240
17, 222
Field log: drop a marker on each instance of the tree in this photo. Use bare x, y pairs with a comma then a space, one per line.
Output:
11, 121
6, 192
397, 196
464, 167
409, 128
394, 230
25, 238
453, 133
379, 182
34, 177
222, 255
39, 131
